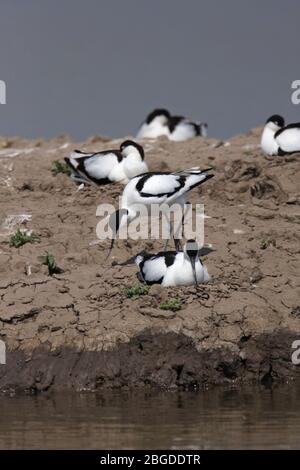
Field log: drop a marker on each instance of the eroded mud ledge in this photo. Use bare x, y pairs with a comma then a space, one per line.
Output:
161, 360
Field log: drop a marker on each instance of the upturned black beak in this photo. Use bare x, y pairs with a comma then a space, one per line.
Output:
192, 252
114, 223
193, 263
110, 248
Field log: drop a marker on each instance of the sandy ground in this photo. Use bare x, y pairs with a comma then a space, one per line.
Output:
78, 329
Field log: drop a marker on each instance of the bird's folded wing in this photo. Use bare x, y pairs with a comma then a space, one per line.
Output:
160, 185
289, 139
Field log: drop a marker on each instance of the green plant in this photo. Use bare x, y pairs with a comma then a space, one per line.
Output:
21, 238
265, 243
60, 167
173, 304
50, 262
136, 290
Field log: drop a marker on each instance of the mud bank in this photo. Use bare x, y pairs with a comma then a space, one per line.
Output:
78, 329
155, 359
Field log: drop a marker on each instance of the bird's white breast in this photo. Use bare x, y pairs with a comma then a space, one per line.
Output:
181, 272
133, 166
152, 130
118, 174
268, 143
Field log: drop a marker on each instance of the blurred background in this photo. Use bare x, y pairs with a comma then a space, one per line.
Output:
99, 66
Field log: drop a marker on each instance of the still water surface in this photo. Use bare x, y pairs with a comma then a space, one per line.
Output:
218, 418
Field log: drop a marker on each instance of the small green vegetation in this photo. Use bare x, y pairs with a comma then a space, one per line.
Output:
21, 238
49, 261
60, 167
136, 291
173, 304
265, 243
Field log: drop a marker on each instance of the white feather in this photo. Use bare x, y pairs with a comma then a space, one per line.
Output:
100, 166
289, 139
183, 131
155, 129
158, 184
180, 273
154, 269
134, 165
268, 144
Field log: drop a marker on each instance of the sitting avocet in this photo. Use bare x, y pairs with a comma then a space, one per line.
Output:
278, 139
178, 128
171, 268
108, 166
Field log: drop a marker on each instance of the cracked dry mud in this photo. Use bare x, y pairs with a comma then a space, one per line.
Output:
79, 330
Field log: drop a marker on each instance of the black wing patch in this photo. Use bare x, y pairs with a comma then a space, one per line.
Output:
197, 128
173, 121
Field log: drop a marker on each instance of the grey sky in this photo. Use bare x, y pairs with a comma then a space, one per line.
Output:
99, 66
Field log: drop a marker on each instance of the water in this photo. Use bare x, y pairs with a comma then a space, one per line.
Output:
218, 418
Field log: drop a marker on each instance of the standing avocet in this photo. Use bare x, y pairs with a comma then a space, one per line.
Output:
162, 188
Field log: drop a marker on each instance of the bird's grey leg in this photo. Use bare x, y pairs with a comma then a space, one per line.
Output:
178, 234
178, 245
177, 239
185, 212
170, 231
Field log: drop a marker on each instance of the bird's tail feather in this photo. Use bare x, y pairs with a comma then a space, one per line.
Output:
76, 154
194, 180
76, 175
76, 157
196, 170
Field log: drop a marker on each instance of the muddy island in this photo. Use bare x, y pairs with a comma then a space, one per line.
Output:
71, 320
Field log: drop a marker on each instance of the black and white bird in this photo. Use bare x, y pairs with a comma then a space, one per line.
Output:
108, 166
171, 268
278, 139
177, 128
162, 188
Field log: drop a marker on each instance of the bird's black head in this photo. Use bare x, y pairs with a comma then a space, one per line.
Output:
125, 146
277, 120
192, 248
160, 112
